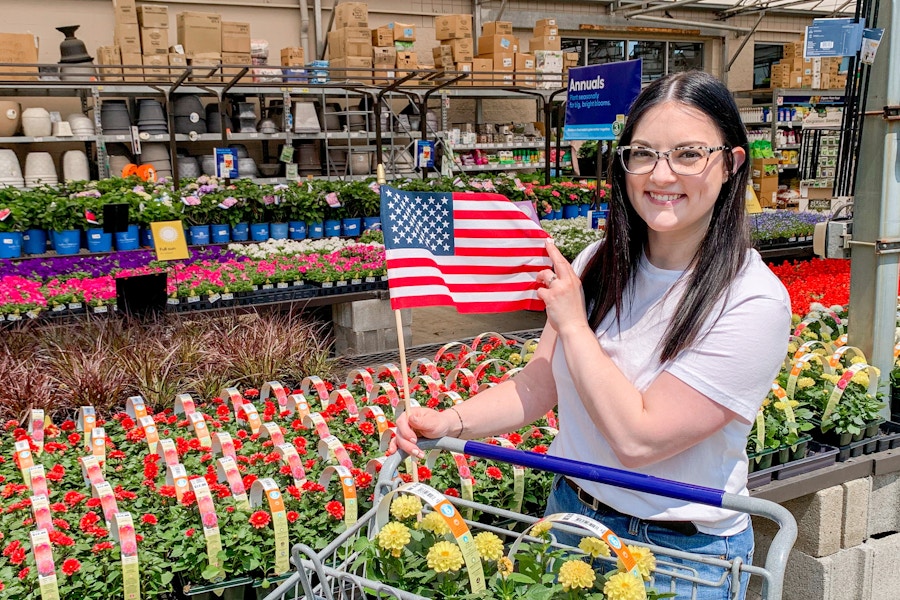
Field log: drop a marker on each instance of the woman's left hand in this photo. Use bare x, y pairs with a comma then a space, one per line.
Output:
562, 295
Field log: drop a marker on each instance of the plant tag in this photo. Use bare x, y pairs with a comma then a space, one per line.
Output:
167, 450
356, 281
98, 444
198, 421
375, 412
370, 280
104, 491
46, 568
317, 421
227, 472
123, 532
26, 460
348, 400
296, 404
489, 185
4, 213
272, 430
364, 375
319, 386
91, 470
177, 476
223, 444
298, 283
282, 285
58, 308
290, 170
38, 481
287, 154
252, 417
36, 428
150, 432
327, 284
135, 408
341, 282
274, 388
227, 296
213, 298
331, 448
348, 489
40, 508
210, 522
31, 314
268, 286
173, 301
192, 299
332, 199
291, 458
375, 187
268, 488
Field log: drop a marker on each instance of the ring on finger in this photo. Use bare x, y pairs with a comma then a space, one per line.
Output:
551, 280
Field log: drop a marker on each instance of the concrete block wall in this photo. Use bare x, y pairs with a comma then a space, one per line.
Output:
368, 326
848, 545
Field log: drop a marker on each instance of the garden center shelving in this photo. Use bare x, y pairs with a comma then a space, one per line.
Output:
388, 138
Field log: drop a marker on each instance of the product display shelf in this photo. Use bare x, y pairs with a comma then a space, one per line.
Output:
501, 146
507, 166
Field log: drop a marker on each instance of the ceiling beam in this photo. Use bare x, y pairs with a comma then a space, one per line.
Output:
662, 6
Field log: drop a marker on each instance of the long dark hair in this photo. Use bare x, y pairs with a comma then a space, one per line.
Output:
723, 250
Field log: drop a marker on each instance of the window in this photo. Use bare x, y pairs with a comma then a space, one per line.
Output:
764, 56
659, 57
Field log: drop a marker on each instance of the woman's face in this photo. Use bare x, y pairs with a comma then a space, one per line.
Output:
678, 207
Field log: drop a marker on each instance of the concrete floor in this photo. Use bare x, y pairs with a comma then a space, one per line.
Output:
440, 324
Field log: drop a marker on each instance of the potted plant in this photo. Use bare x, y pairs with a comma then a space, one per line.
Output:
97, 239
34, 204
278, 209
363, 207
12, 224
66, 220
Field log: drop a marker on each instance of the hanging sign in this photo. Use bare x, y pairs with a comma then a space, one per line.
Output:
833, 37
598, 98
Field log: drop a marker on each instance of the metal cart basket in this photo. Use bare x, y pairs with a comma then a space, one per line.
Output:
329, 574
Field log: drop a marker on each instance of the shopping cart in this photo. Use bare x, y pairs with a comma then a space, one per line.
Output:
331, 574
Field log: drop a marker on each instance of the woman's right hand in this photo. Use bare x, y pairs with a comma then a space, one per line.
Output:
421, 422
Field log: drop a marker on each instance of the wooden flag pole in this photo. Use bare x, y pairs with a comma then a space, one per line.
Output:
401, 345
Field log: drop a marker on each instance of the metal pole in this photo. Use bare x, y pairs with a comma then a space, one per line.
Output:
744, 41
876, 214
708, 24
656, 7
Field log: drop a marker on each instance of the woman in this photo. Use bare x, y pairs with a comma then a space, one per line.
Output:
661, 342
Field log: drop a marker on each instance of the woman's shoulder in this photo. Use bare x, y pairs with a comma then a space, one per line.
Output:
581, 261
756, 279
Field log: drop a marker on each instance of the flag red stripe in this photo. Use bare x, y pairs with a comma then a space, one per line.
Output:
501, 233
501, 251
465, 307
475, 215
514, 286
474, 269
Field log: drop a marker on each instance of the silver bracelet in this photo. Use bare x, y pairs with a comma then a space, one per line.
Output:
461, 426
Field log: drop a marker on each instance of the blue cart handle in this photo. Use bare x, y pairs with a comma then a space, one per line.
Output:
583, 470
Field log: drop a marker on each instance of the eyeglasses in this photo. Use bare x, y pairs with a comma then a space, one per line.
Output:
690, 160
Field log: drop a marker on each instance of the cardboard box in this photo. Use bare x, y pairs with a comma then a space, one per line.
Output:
545, 23
364, 64
128, 37
109, 55
464, 67
235, 37
383, 36
524, 62
571, 59
452, 27
496, 28
19, 48
177, 60
407, 60
463, 49
526, 78
507, 79
235, 58
154, 41
152, 62
350, 41
497, 44
403, 32
134, 72
767, 191
763, 168
546, 42
154, 16
200, 33
351, 14
384, 76
548, 61
124, 11
481, 71
545, 30
503, 61
384, 57
206, 59
806, 81
443, 57
293, 57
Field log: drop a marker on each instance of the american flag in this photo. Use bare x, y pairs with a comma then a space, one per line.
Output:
473, 250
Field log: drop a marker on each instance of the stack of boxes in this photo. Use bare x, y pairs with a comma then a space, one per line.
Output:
154, 27
498, 44
235, 46
546, 36
794, 71
764, 176
350, 44
126, 48
457, 49
200, 38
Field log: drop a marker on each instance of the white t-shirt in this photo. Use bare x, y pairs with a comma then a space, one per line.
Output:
734, 361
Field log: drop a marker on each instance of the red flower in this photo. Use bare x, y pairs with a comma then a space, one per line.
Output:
74, 438
540, 449
101, 546
259, 519
59, 507
188, 499
515, 438
452, 492
363, 479
494, 473
149, 519
335, 509
424, 473
70, 566
67, 425
61, 524
167, 491
189, 532
17, 556
23, 573
88, 520
292, 515
367, 428
61, 539
248, 481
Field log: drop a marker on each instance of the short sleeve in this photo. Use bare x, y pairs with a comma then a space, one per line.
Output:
581, 261
735, 362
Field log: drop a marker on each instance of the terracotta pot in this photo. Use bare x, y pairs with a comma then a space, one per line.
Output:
10, 117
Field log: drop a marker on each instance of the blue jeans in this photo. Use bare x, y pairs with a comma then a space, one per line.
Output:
563, 499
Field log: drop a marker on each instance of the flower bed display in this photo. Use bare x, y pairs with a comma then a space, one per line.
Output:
187, 516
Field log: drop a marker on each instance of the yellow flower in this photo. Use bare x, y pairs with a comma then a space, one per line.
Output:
805, 382
515, 358
541, 528
646, 562
857, 360
489, 546
594, 547
821, 351
624, 586
795, 319
862, 378
528, 356
576, 574
781, 405
504, 567
405, 507
792, 348
830, 377
434, 523
530, 347
445, 556
394, 537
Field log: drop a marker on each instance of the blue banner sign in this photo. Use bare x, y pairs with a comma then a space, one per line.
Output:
833, 37
598, 98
